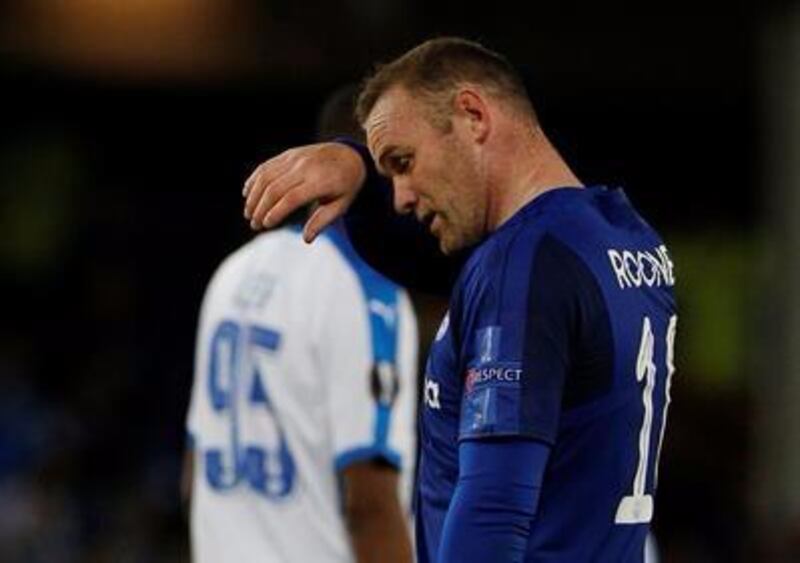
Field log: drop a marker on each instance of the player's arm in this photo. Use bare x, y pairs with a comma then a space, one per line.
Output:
494, 502
329, 173
342, 177
367, 336
503, 452
375, 519
187, 478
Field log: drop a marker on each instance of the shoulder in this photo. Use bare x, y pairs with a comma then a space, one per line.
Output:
598, 218
542, 249
372, 283
253, 251
507, 254
579, 224
548, 215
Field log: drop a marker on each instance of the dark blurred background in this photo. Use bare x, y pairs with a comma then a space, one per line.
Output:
128, 128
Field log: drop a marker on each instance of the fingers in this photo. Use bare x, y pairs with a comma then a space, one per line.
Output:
292, 199
248, 184
323, 216
272, 194
261, 178
328, 172
253, 178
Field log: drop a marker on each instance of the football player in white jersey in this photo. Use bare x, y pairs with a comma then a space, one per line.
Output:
302, 416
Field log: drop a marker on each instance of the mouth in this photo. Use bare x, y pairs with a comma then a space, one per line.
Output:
432, 222
434, 225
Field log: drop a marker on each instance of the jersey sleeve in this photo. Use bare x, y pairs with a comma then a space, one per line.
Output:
403, 430
494, 502
525, 320
364, 352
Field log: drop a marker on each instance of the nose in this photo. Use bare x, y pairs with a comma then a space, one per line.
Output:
404, 197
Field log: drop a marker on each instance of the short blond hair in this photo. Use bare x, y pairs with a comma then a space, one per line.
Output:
435, 68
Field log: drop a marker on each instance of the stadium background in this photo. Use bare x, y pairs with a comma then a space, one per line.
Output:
128, 128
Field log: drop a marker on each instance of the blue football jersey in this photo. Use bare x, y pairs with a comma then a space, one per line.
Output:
560, 329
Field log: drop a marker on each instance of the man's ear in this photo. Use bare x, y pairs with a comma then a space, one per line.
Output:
472, 106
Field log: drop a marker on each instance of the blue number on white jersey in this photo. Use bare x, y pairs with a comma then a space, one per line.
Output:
268, 471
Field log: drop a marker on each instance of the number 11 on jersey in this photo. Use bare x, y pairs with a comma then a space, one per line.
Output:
637, 508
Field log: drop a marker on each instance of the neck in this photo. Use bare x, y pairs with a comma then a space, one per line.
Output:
528, 167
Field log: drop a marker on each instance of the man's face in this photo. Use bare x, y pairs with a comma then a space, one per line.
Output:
436, 175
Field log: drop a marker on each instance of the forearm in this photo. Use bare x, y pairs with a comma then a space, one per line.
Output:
494, 503
187, 478
380, 536
373, 513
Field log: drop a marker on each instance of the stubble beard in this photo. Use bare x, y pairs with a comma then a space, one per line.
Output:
464, 224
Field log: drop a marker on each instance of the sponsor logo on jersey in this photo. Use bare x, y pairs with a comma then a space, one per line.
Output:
432, 394
384, 311
637, 268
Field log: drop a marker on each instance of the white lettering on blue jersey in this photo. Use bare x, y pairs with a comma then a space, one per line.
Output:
635, 268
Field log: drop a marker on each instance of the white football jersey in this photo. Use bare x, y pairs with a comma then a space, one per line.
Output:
305, 363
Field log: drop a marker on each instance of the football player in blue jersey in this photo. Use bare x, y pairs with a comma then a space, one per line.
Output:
548, 384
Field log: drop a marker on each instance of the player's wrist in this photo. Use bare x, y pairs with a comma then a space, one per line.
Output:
362, 151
